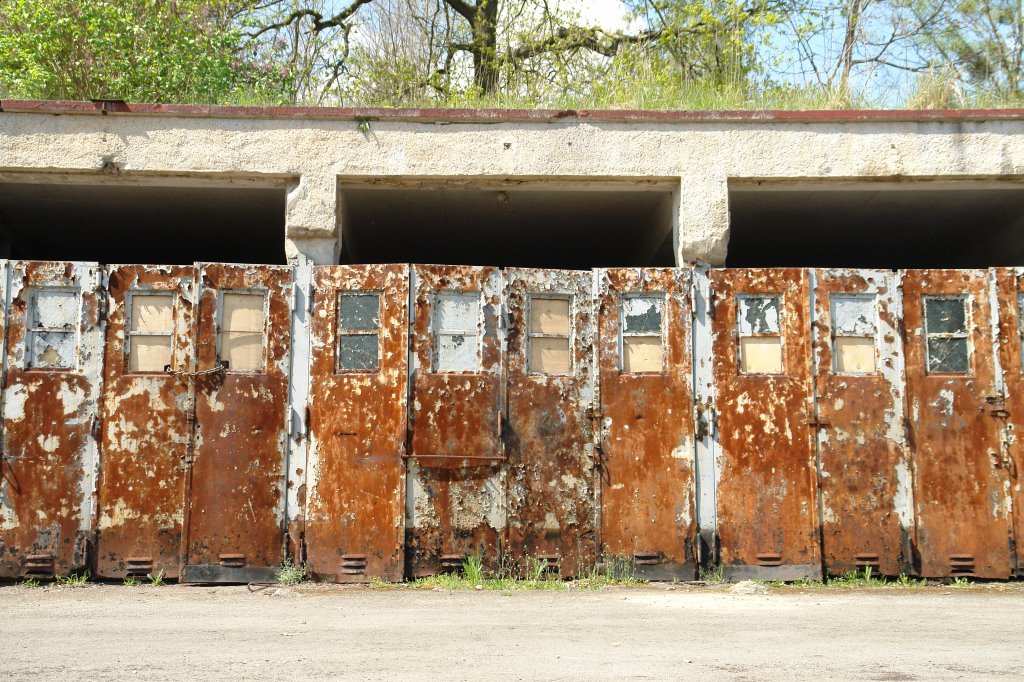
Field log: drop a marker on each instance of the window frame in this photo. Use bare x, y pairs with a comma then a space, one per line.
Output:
661, 296
259, 291
967, 300
780, 335
31, 330
568, 336
833, 335
129, 334
437, 331
339, 332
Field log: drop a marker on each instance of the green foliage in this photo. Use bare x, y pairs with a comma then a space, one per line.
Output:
290, 573
30, 582
131, 581
136, 50
156, 579
73, 580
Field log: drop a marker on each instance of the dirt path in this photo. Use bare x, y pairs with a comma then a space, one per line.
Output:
318, 632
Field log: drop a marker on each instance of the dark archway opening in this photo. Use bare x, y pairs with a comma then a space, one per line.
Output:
541, 227
142, 223
877, 225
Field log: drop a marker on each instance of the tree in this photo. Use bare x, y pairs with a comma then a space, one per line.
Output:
139, 50
496, 42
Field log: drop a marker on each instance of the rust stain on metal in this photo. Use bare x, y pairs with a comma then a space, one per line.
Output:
355, 518
549, 435
51, 391
647, 436
455, 502
1010, 296
236, 483
864, 467
962, 505
146, 429
767, 497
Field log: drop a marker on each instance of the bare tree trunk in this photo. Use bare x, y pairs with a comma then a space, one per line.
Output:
485, 46
854, 10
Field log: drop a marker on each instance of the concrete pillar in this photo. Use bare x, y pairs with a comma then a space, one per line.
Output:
312, 229
703, 220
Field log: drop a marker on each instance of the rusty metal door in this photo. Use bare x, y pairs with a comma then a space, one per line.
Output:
146, 409
50, 418
767, 497
863, 458
236, 482
647, 437
455, 501
355, 519
955, 408
1010, 300
549, 434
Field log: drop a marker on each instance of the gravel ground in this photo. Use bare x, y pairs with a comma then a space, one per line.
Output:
102, 632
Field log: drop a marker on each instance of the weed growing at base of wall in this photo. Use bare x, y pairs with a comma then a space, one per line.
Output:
156, 579
73, 580
290, 573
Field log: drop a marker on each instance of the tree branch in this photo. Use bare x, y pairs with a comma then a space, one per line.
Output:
319, 23
593, 39
466, 10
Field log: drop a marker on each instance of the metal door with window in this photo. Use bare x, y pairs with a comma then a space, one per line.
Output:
50, 418
955, 405
236, 505
355, 517
455, 501
146, 409
863, 459
766, 494
549, 435
1010, 298
647, 447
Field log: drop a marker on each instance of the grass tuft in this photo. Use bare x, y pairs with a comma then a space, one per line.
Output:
156, 579
73, 580
290, 573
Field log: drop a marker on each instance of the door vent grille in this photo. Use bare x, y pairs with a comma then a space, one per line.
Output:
452, 563
769, 559
232, 560
961, 564
353, 564
39, 566
648, 558
138, 565
867, 561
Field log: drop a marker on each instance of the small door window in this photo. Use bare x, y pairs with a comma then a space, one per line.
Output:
457, 331
358, 332
854, 325
945, 330
758, 322
550, 322
149, 332
241, 339
642, 332
53, 328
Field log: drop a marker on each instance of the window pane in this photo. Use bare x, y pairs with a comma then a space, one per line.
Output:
53, 350
149, 353
948, 356
359, 312
457, 353
242, 313
55, 310
642, 354
855, 354
549, 355
945, 315
761, 355
853, 316
458, 311
151, 312
549, 316
243, 351
758, 315
358, 352
642, 314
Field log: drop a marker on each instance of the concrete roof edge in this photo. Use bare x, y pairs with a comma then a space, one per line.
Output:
426, 115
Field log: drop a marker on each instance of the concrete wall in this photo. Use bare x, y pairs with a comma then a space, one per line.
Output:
311, 152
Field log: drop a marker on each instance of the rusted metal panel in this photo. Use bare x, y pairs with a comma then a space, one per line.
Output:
455, 500
1008, 460
550, 406
50, 418
236, 506
954, 403
355, 519
767, 496
863, 459
146, 429
647, 433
